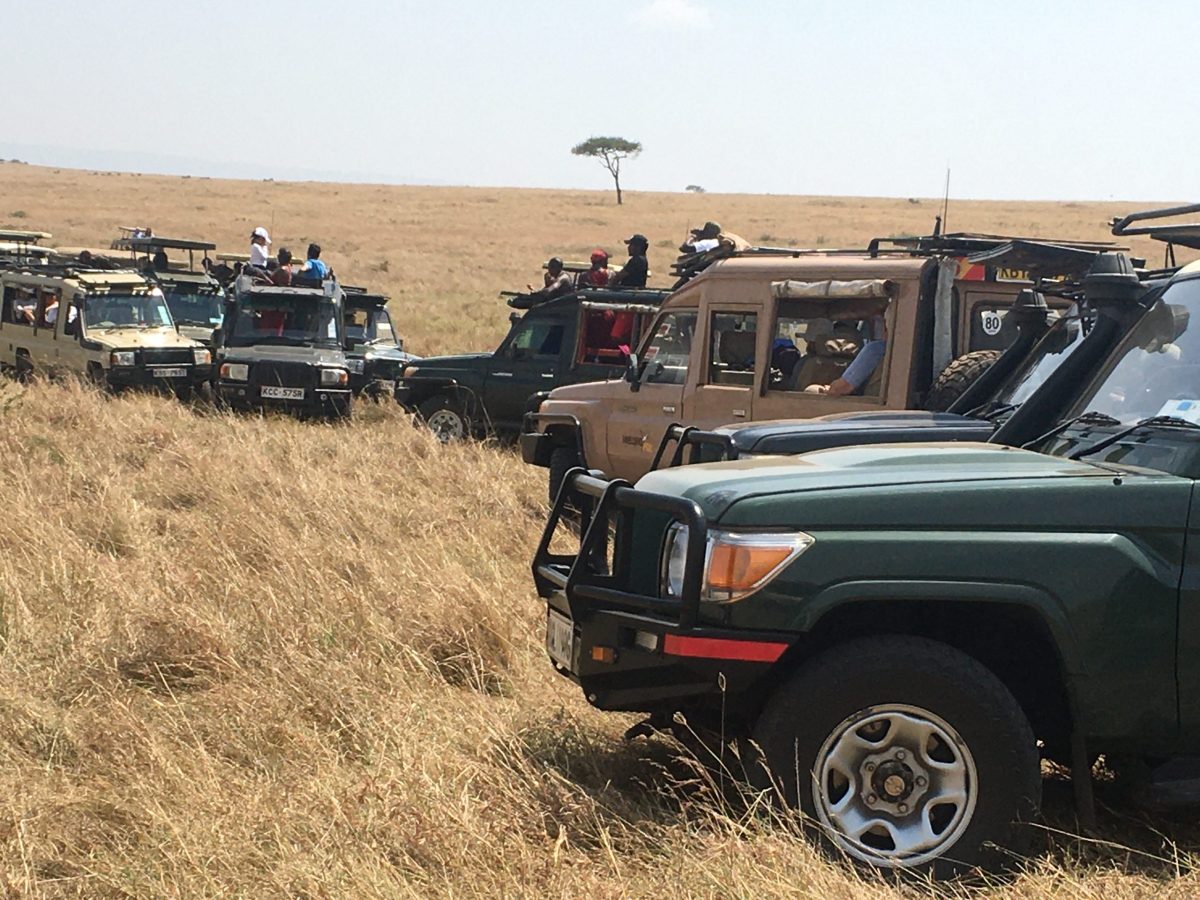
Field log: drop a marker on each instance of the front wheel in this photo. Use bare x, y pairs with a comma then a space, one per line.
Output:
446, 418
906, 754
562, 460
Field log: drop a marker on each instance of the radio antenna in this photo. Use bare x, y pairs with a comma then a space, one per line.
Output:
946, 200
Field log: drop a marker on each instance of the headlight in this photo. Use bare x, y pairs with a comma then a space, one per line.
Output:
202, 357
356, 365
235, 371
736, 564
410, 371
333, 377
122, 357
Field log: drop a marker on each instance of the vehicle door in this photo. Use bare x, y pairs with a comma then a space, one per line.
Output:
69, 350
18, 314
639, 418
810, 346
529, 360
725, 385
44, 346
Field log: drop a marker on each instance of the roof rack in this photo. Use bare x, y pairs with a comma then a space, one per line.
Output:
24, 237
151, 244
955, 244
1185, 234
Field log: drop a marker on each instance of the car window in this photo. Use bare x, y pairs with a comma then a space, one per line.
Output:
668, 351
607, 336
20, 305
540, 339
731, 348
809, 350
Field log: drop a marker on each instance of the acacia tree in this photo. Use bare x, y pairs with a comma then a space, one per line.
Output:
610, 151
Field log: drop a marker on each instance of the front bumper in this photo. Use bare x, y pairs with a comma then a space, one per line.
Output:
150, 376
636, 652
245, 395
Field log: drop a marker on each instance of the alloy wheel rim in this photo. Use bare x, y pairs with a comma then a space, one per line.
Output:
895, 786
447, 425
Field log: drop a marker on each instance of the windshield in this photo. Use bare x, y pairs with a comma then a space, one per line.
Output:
291, 319
1136, 412
1156, 370
127, 311
196, 309
370, 326
1059, 342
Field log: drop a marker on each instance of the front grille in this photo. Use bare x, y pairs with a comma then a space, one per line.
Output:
160, 356
283, 374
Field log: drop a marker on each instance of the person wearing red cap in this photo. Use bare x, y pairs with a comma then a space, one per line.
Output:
597, 275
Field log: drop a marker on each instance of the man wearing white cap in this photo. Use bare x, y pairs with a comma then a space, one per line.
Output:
259, 242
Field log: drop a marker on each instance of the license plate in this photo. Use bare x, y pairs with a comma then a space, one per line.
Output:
387, 387
560, 638
282, 393
168, 373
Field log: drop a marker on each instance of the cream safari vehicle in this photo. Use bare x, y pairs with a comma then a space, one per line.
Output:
111, 327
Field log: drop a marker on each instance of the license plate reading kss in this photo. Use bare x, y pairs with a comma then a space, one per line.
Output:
282, 393
168, 373
560, 638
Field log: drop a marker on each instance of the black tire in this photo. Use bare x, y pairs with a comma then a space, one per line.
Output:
24, 367
954, 380
562, 460
895, 683
446, 418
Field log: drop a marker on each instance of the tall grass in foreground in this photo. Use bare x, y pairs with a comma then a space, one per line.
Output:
265, 658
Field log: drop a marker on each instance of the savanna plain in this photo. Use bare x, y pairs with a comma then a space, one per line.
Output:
251, 656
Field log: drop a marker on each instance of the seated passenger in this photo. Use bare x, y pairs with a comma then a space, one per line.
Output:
784, 357
556, 282
861, 371
597, 275
314, 267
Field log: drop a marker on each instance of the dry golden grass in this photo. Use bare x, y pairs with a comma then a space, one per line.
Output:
259, 657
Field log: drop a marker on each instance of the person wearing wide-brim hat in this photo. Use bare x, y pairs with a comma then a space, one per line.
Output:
637, 269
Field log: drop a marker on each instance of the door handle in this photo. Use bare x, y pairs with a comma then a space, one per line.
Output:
503, 374
669, 410
739, 413
547, 374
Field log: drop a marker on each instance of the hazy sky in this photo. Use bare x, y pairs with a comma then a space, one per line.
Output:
1046, 99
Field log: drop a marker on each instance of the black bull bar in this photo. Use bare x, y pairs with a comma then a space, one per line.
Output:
586, 578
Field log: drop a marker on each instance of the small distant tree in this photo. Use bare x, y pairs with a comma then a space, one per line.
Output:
694, 189
610, 151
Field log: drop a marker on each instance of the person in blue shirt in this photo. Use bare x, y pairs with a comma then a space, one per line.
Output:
313, 266
861, 368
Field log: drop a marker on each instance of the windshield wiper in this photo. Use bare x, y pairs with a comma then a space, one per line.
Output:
996, 413
1152, 422
1088, 418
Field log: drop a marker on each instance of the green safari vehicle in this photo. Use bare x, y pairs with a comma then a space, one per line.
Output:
902, 631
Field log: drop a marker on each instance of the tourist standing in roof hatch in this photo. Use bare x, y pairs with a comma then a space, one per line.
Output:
260, 243
637, 269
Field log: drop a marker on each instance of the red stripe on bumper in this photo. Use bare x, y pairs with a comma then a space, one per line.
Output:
721, 648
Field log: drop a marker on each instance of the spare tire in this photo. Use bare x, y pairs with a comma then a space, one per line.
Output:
957, 377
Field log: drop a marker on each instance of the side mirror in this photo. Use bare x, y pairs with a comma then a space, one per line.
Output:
218, 337
514, 317
631, 372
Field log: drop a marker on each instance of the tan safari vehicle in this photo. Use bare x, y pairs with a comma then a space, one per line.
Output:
774, 335
112, 327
